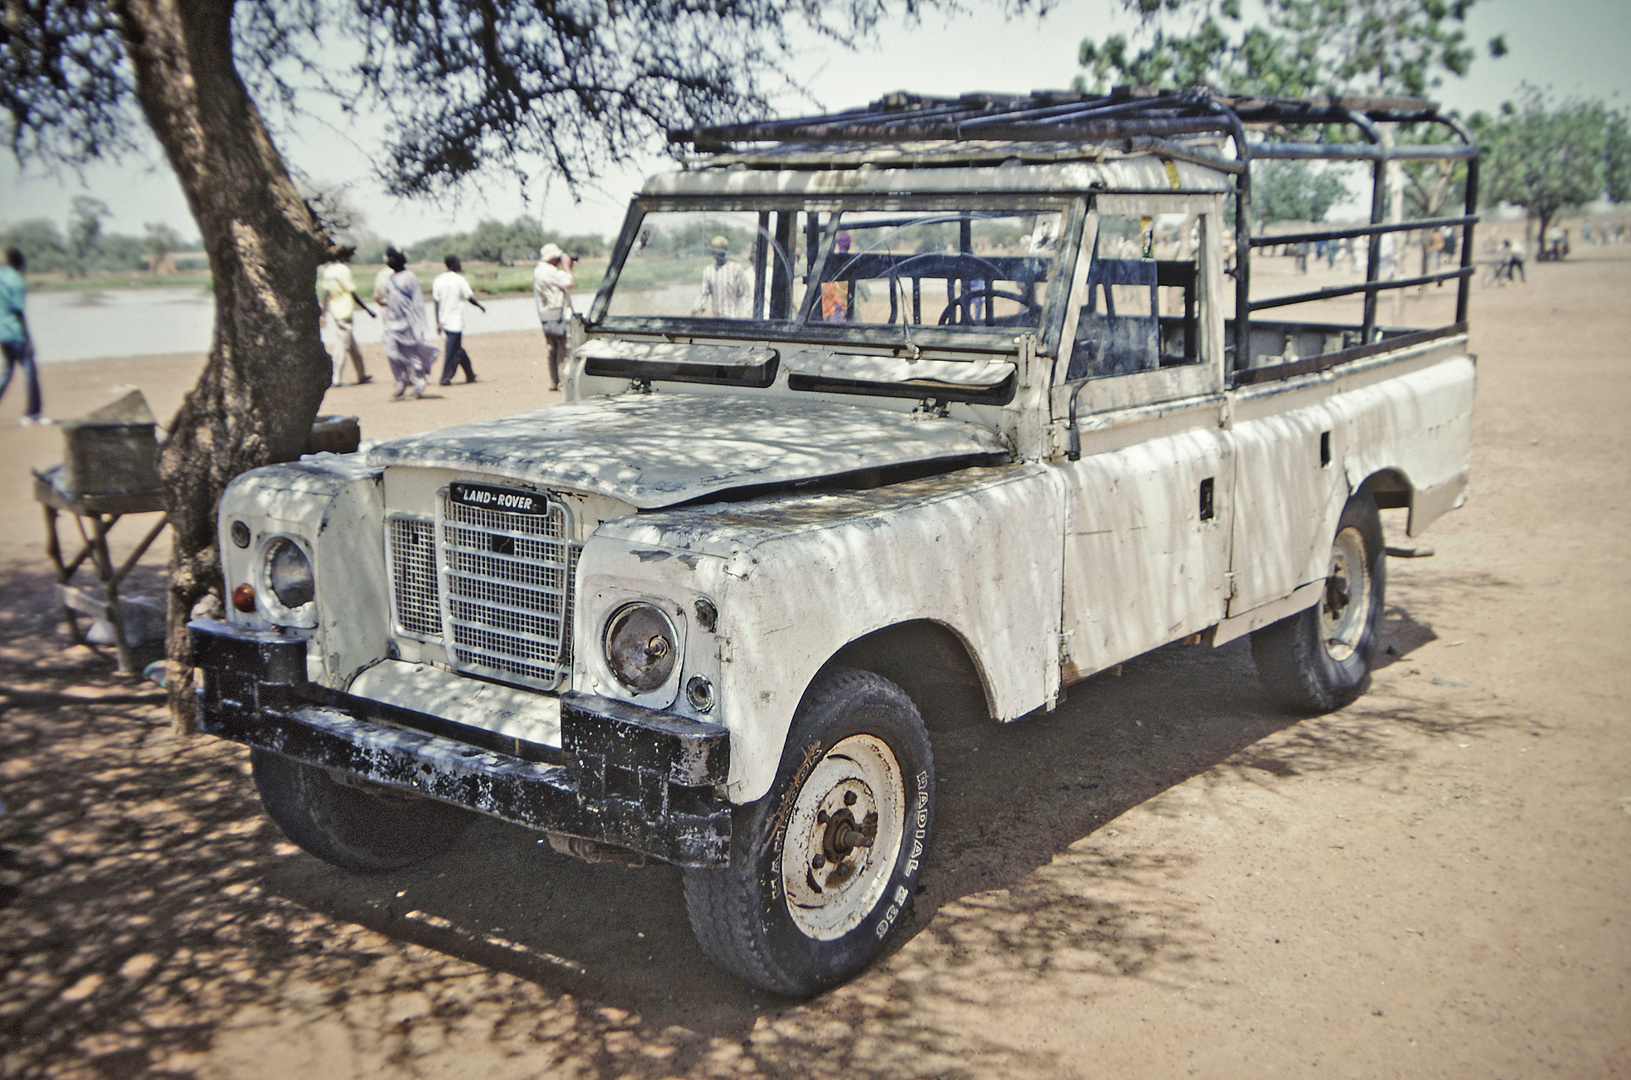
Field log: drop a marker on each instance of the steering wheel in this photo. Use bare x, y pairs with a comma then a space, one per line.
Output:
1032, 308
988, 270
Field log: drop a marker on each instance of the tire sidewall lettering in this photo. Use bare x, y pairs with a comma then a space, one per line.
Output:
910, 859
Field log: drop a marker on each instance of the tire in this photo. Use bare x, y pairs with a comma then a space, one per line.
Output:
354, 827
1319, 660
801, 907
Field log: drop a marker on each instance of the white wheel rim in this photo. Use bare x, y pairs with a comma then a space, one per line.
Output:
831, 885
1345, 607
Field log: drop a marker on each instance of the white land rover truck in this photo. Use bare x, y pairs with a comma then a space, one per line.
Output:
967, 392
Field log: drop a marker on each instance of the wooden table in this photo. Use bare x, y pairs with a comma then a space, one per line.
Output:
94, 517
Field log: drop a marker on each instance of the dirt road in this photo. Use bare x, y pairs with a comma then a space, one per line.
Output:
1162, 878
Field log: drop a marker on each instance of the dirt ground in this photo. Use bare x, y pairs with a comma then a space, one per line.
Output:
1162, 878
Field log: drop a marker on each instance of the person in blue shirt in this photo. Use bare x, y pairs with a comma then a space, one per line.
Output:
14, 339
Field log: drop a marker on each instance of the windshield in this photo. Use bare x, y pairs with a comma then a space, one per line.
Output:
952, 267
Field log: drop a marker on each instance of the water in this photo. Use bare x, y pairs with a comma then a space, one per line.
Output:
69, 326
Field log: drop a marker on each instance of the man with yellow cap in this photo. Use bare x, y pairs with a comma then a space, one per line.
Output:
725, 286
552, 285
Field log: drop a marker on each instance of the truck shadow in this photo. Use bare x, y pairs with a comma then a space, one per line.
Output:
142, 889
1012, 799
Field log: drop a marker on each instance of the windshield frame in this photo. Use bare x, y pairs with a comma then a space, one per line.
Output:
1069, 205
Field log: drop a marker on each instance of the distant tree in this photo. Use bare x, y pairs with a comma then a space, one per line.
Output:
160, 242
1617, 158
504, 243
120, 252
1291, 48
434, 247
1294, 191
1545, 156
581, 245
1433, 188
466, 85
41, 243
371, 249
85, 230
694, 238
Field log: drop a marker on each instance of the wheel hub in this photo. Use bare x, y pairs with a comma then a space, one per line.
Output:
843, 837
1344, 609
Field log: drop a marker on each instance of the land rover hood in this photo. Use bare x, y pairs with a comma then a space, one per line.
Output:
656, 450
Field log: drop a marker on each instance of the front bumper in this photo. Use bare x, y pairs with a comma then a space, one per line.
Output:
628, 776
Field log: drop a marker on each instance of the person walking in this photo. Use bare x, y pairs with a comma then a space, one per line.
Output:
340, 304
410, 355
450, 292
1513, 255
725, 285
15, 341
552, 285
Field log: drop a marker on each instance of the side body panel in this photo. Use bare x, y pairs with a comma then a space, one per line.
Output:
1284, 496
1305, 445
1146, 539
796, 578
1419, 424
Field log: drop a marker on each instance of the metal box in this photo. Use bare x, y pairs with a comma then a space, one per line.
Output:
111, 451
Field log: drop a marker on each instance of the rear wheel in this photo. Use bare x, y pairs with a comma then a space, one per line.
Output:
1319, 660
352, 825
824, 866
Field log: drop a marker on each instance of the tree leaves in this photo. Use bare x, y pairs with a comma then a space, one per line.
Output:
64, 82
1297, 47
457, 86
1294, 191
1545, 155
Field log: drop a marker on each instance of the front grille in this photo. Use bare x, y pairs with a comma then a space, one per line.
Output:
413, 576
503, 607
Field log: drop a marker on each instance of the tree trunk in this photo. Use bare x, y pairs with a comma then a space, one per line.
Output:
266, 373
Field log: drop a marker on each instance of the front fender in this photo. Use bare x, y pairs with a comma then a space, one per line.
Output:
795, 578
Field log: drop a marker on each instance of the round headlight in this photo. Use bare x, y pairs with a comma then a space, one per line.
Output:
640, 647
288, 573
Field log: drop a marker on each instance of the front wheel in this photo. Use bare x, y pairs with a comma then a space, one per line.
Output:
823, 867
352, 826
1319, 660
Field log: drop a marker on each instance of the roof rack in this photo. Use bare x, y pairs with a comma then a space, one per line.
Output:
1182, 125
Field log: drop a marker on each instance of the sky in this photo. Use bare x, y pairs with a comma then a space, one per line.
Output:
1570, 47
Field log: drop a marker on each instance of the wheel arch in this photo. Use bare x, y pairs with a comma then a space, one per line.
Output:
934, 664
1390, 488
1393, 489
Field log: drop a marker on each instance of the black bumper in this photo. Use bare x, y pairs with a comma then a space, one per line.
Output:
628, 776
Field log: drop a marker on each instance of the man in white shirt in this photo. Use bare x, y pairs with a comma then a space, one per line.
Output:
725, 286
340, 304
450, 292
552, 284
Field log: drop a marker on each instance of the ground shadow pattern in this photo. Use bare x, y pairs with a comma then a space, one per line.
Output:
155, 923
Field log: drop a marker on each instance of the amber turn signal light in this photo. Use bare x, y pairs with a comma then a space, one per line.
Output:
243, 598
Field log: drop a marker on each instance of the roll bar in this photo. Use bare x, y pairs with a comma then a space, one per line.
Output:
1187, 125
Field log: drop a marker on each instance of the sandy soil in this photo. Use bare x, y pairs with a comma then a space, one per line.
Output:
1162, 878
